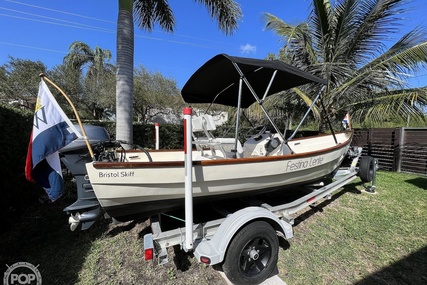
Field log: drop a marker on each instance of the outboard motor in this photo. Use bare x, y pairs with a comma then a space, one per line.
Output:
86, 210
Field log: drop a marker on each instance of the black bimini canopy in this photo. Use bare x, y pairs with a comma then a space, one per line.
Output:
217, 81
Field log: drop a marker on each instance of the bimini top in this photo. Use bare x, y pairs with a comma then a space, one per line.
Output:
217, 81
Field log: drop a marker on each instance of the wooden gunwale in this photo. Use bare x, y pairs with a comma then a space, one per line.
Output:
154, 164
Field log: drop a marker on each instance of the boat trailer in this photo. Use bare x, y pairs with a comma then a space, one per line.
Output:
244, 242
241, 238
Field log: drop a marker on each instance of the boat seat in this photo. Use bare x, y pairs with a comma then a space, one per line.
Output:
206, 124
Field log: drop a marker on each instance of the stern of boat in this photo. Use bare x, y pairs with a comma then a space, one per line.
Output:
86, 209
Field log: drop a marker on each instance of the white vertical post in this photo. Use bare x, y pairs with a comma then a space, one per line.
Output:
188, 178
157, 137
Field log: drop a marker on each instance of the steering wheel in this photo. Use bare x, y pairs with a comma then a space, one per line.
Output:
255, 132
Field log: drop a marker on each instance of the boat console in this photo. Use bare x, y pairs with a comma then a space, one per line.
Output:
266, 144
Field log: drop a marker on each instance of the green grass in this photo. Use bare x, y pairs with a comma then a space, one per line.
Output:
354, 238
363, 238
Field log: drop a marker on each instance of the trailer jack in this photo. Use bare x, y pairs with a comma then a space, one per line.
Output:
371, 188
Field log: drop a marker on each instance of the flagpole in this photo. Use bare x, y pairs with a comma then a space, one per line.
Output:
43, 76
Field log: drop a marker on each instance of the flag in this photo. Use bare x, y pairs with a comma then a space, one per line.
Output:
52, 130
346, 122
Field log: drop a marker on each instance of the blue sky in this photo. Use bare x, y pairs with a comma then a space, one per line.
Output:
44, 29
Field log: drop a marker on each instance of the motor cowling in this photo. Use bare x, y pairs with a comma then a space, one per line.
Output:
86, 210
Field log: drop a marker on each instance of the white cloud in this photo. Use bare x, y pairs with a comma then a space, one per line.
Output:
247, 48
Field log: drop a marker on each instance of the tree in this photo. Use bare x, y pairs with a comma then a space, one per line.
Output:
90, 101
91, 63
147, 14
20, 79
155, 95
345, 43
70, 80
93, 72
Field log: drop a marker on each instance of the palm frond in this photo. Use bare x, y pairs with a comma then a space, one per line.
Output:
320, 27
375, 21
407, 56
345, 44
391, 68
226, 12
345, 26
79, 54
321, 17
391, 105
308, 102
283, 29
149, 12
298, 49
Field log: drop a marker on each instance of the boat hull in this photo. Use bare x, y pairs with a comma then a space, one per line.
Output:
145, 188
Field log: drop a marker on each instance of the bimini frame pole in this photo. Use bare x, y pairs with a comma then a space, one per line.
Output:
306, 114
236, 135
43, 76
259, 101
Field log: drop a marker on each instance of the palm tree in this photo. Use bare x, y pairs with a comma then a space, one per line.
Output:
92, 69
148, 13
81, 56
345, 44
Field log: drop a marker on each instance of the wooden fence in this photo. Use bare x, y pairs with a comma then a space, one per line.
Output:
397, 149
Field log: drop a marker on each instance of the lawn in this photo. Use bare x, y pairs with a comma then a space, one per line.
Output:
361, 238
354, 238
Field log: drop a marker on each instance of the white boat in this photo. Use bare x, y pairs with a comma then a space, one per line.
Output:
138, 186
140, 183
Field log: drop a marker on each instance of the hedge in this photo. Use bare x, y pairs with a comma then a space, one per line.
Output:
20, 195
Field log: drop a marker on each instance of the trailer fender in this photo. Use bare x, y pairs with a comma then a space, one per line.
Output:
212, 251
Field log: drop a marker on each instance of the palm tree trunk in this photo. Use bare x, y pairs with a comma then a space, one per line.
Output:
124, 76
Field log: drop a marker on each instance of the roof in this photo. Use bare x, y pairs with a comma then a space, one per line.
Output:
217, 81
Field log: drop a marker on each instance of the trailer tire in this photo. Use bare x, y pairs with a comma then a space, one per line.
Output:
367, 168
252, 254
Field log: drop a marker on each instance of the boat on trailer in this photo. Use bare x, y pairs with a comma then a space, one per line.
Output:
141, 183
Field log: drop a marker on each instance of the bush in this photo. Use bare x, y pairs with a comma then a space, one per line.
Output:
17, 192
171, 136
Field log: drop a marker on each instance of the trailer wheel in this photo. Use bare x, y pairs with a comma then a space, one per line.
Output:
252, 254
367, 168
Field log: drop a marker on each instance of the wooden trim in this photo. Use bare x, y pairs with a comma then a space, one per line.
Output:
154, 164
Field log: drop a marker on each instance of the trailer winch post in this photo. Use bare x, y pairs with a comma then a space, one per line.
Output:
188, 179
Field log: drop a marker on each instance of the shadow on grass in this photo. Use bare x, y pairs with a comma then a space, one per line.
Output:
128, 226
42, 237
349, 188
411, 270
419, 182
182, 259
